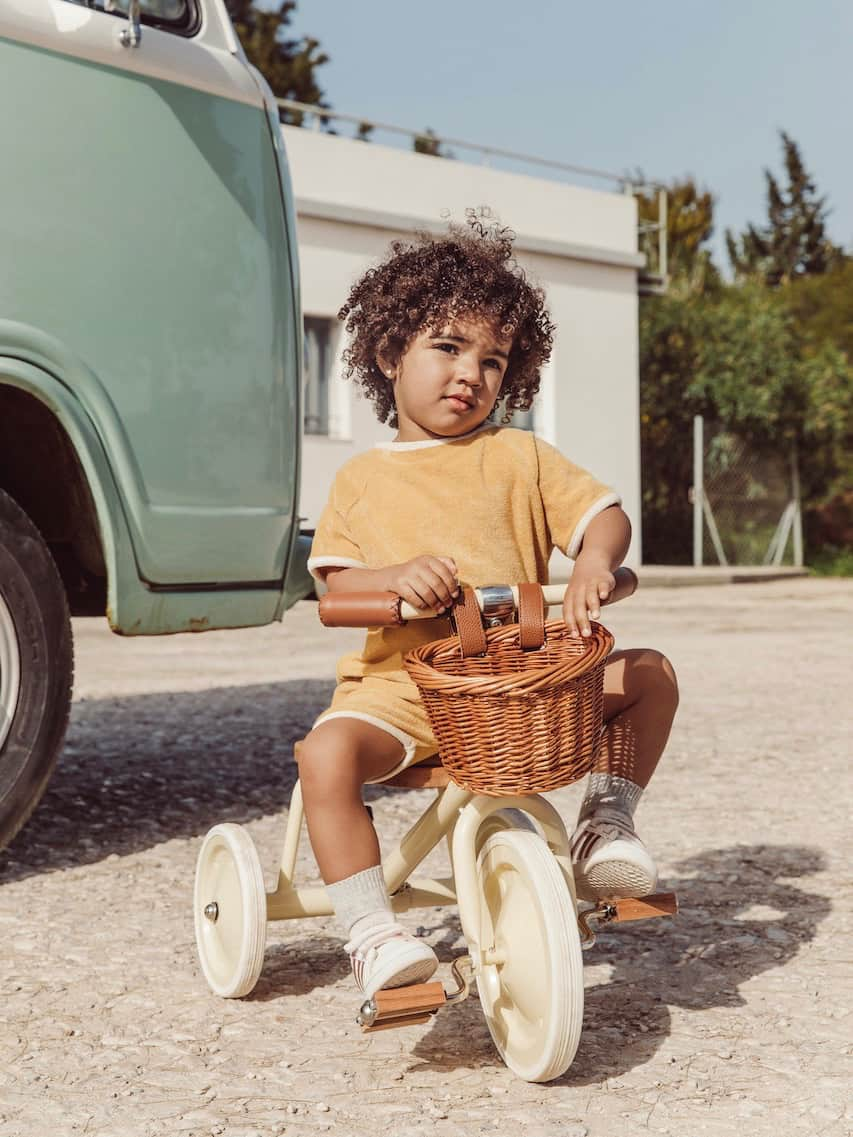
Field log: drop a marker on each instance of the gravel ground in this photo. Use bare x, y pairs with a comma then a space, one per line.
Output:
735, 1017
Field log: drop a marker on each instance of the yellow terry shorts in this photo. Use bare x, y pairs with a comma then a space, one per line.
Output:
392, 706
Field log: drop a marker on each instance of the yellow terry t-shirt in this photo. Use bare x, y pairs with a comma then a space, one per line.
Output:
497, 500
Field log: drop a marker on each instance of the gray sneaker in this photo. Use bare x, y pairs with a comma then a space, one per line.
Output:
610, 860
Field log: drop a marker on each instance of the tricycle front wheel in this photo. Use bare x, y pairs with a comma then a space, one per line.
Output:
531, 978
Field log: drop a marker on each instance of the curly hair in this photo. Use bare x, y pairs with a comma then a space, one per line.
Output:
422, 285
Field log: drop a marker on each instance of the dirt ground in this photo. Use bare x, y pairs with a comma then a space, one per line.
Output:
733, 1018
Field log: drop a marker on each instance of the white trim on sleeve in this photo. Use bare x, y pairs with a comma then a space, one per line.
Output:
603, 503
331, 562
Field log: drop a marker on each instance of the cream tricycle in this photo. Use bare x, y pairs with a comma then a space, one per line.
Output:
517, 710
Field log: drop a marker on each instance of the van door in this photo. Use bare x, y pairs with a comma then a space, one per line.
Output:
163, 265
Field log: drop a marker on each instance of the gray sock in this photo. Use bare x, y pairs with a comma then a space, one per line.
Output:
612, 792
361, 899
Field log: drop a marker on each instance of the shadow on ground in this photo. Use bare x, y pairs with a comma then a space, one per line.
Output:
742, 912
143, 769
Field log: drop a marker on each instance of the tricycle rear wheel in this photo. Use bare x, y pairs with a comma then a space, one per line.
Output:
230, 911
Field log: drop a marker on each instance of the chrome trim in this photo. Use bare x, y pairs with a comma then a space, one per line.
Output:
496, 603
367, 1013
131, 35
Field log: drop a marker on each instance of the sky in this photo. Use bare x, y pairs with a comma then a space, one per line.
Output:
663, 88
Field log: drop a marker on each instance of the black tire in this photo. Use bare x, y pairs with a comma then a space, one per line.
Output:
34, 621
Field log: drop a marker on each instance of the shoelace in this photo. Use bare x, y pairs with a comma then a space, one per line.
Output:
374, 938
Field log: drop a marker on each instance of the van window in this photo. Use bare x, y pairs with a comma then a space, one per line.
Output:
175, 15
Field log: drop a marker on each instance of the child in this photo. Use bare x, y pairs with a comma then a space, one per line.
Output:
442, 331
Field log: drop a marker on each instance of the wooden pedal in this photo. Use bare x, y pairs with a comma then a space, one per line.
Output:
401, 1006
641, 908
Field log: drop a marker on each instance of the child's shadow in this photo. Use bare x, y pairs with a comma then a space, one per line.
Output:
738, 917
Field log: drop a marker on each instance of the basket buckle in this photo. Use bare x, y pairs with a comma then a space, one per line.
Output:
498, 604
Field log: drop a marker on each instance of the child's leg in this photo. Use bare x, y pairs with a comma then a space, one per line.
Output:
640, 699
336, 759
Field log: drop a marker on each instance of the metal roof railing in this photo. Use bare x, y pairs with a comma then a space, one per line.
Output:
650, 282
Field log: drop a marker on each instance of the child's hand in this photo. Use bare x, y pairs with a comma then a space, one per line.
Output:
591, 583
425, 582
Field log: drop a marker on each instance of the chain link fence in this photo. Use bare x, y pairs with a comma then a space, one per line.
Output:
746, 508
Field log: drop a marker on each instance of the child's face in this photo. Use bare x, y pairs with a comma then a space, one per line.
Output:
448, 379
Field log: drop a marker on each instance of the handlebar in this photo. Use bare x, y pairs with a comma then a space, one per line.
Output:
496, 601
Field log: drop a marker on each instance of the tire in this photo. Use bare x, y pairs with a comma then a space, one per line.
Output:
230, 911
36, 667
532, 992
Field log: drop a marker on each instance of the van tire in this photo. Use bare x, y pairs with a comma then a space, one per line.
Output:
37, 653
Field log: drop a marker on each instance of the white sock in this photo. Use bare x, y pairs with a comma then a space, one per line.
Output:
607, 790
361, 901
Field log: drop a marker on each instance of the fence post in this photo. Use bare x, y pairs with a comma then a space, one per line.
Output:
698, 488
798, 515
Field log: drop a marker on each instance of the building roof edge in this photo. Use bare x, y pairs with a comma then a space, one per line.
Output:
382, 219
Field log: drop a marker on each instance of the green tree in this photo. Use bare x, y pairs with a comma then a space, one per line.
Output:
794, 242
741, 359
822, 307
287, 64
689, 225
669, 332
772, 365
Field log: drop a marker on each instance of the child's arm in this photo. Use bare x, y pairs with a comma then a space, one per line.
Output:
425, 582
604, 544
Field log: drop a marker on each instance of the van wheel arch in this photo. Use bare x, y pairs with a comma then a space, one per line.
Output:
40, 470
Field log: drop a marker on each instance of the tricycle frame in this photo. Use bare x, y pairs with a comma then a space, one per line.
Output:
456, 815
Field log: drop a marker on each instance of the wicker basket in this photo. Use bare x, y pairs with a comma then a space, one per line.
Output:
515, 720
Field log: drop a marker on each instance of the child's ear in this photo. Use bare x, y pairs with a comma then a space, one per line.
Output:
387, 366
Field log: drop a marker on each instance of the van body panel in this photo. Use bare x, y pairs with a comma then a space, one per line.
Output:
180, 338
132, 607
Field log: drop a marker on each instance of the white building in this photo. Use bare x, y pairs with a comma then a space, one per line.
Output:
580, 244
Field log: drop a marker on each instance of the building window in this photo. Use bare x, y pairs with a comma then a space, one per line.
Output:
318, 355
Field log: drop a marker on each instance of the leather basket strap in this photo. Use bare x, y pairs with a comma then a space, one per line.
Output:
531, 616
469, 624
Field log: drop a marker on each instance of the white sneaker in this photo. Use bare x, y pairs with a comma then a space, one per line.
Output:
388, 956
610, 860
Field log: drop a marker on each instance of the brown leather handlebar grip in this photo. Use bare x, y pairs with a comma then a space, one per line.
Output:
626, 584
360, 610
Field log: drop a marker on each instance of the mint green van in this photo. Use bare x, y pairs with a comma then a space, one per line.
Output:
150, 340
